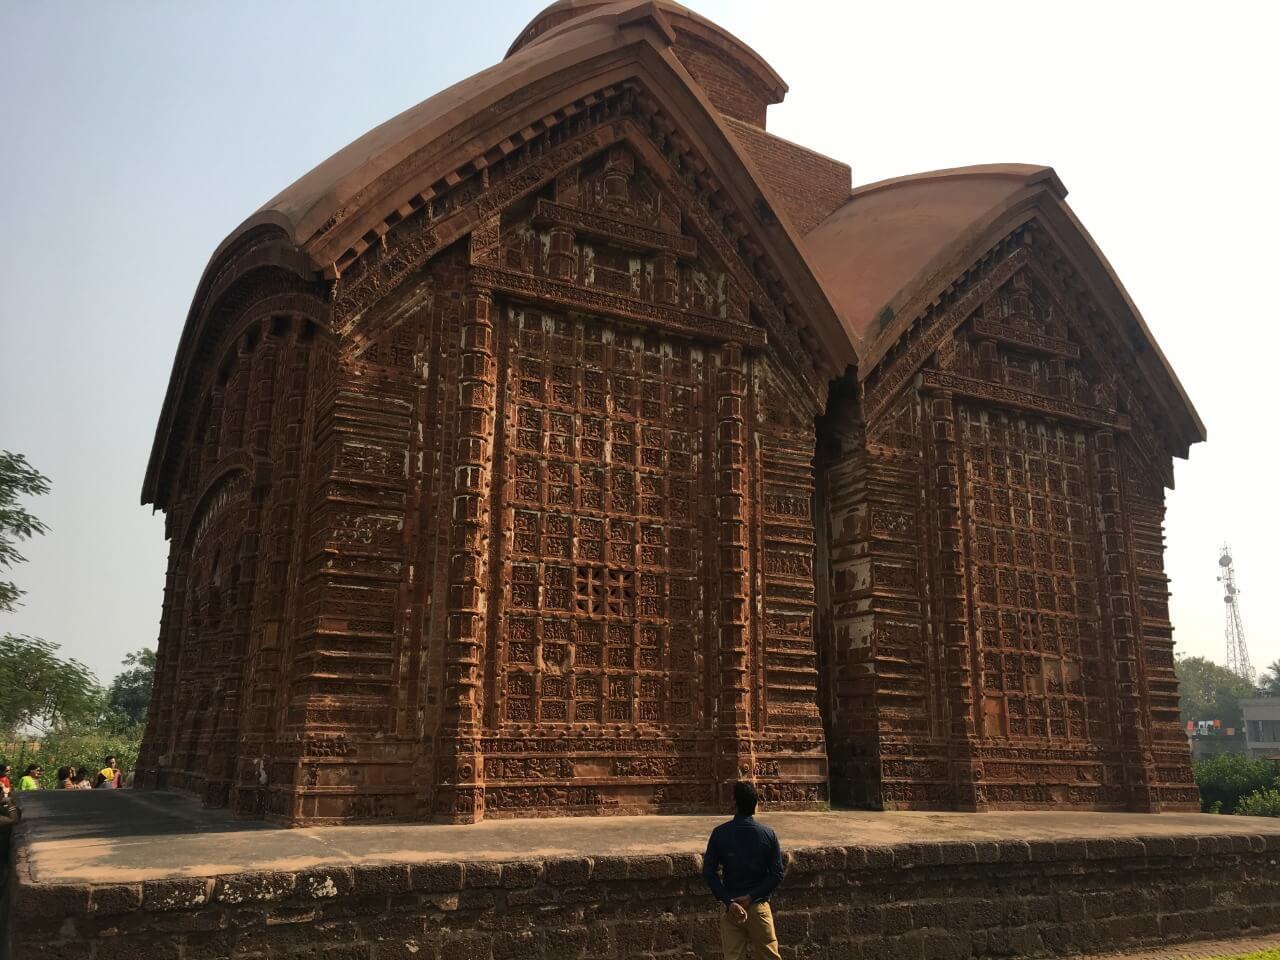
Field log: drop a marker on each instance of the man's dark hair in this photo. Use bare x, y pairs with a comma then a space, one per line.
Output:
745, 798
33, 768
110, 757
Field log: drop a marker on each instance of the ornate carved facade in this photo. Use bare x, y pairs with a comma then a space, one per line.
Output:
583, 453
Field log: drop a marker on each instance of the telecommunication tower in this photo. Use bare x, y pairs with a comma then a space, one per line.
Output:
1237, 653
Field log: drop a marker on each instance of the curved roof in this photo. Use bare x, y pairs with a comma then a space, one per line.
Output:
343, 196
349, 192
339, 209
896, 245
855, 280
682, 18
890, 237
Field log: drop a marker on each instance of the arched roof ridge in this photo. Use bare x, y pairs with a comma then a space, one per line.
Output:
343, 205
562, 15
897, 245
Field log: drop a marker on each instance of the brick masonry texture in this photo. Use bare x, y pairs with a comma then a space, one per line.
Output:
807, 184
563, 489
922, 901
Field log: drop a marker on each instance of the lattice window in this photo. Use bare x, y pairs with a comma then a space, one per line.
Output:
1034, 579
605, 433
601, 591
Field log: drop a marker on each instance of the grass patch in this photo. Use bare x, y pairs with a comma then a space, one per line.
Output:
1271, 953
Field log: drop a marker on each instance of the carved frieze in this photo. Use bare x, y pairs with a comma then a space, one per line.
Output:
1007, 396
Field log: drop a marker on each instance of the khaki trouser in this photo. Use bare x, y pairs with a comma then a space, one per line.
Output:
758, 930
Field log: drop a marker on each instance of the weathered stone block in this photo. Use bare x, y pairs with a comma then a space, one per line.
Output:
177, 894
253, 887
816, 860
1158, 846
954, 853
324, 883
478, 873
523, 944
111, 898
895, 918
41, 901
567, 871
878, 857
648, 868
535, 896
381, 878
209, 945
444, 877
1041, 851
1014, 851
942, 945
917, 854
524, 873
466, 946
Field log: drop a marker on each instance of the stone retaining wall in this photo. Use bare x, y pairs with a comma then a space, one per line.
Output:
6, 884
924, 901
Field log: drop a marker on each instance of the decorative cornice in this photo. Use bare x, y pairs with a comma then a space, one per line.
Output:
622, 233
1002, 394
1142, 431
903, 368
409, 247
591, 300
1024, 339
629, 117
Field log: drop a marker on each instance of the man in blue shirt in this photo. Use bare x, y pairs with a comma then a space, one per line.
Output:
743, 866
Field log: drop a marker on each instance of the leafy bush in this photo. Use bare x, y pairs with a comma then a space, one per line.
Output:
1229, 777
86, 749
83, 748
1262, 803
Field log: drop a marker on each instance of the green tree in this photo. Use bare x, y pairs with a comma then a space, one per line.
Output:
17, 479
130, 692
38, 688
41, 690
1210, 692
1226, 779
1270, 684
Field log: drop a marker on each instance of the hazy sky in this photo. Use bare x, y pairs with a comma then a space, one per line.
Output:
134, 137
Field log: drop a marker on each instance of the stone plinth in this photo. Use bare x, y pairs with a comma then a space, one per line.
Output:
155, 875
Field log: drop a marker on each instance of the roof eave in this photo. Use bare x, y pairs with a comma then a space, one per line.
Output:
1043, 198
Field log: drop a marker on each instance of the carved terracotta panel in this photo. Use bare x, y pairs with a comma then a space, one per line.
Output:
604, 432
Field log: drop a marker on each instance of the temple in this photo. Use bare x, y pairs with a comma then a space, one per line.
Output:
570, 444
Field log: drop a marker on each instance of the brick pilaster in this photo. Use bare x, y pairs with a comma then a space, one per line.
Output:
1132, 710
731, 520
953, 605
460, 796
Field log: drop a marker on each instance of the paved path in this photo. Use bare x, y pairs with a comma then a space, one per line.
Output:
1201, 950
72, 836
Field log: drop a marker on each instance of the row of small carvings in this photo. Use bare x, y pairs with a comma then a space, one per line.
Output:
342, 746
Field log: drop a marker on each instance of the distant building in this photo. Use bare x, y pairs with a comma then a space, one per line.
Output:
1205, 746
1209, 738
1262, 727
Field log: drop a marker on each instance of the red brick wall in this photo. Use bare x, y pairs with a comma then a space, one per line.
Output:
807, 185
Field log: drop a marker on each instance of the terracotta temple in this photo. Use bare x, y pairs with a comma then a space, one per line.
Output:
570, 444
